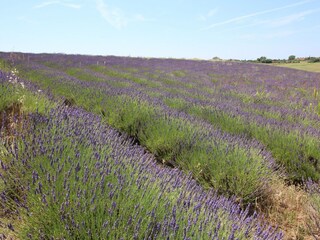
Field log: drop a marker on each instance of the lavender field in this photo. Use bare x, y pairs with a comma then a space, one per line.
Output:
96, 147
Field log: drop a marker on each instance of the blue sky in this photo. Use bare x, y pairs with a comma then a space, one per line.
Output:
242, 29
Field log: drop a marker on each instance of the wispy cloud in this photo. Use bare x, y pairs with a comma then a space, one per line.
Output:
274, 24
61, 3
248, 16
211, 13
286, 20
279, 22
116, 17
45, 4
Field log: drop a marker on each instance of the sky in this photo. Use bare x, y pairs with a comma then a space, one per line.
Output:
229, 29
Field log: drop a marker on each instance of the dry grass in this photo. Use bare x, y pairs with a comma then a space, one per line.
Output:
311, 67
290, 208
5, 232
7, 116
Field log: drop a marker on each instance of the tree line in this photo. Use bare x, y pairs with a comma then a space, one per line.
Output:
290, 59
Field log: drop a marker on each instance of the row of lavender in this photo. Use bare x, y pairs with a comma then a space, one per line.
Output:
286, 92
75, 178
271, 105
278, 107
280, 83
233, 165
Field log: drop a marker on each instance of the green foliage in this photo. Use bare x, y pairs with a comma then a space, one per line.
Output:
170, 140
291, 58
176, 103
297, 153
5, 66
318, 108
82, 75
264, 60
173, 140
30, 101
123, 75
229, 168
244, 173
59, 212
179, 73
313, 59
128, 115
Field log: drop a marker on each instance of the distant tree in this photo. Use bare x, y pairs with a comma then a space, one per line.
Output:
313, 59
264, 60
216, 59
291, 58
261, 59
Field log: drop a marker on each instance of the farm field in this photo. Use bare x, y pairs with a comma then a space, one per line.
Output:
305, 66
96, 147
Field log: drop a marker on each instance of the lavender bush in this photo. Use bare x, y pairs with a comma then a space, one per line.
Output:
226, 126
81, 180
276, 106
